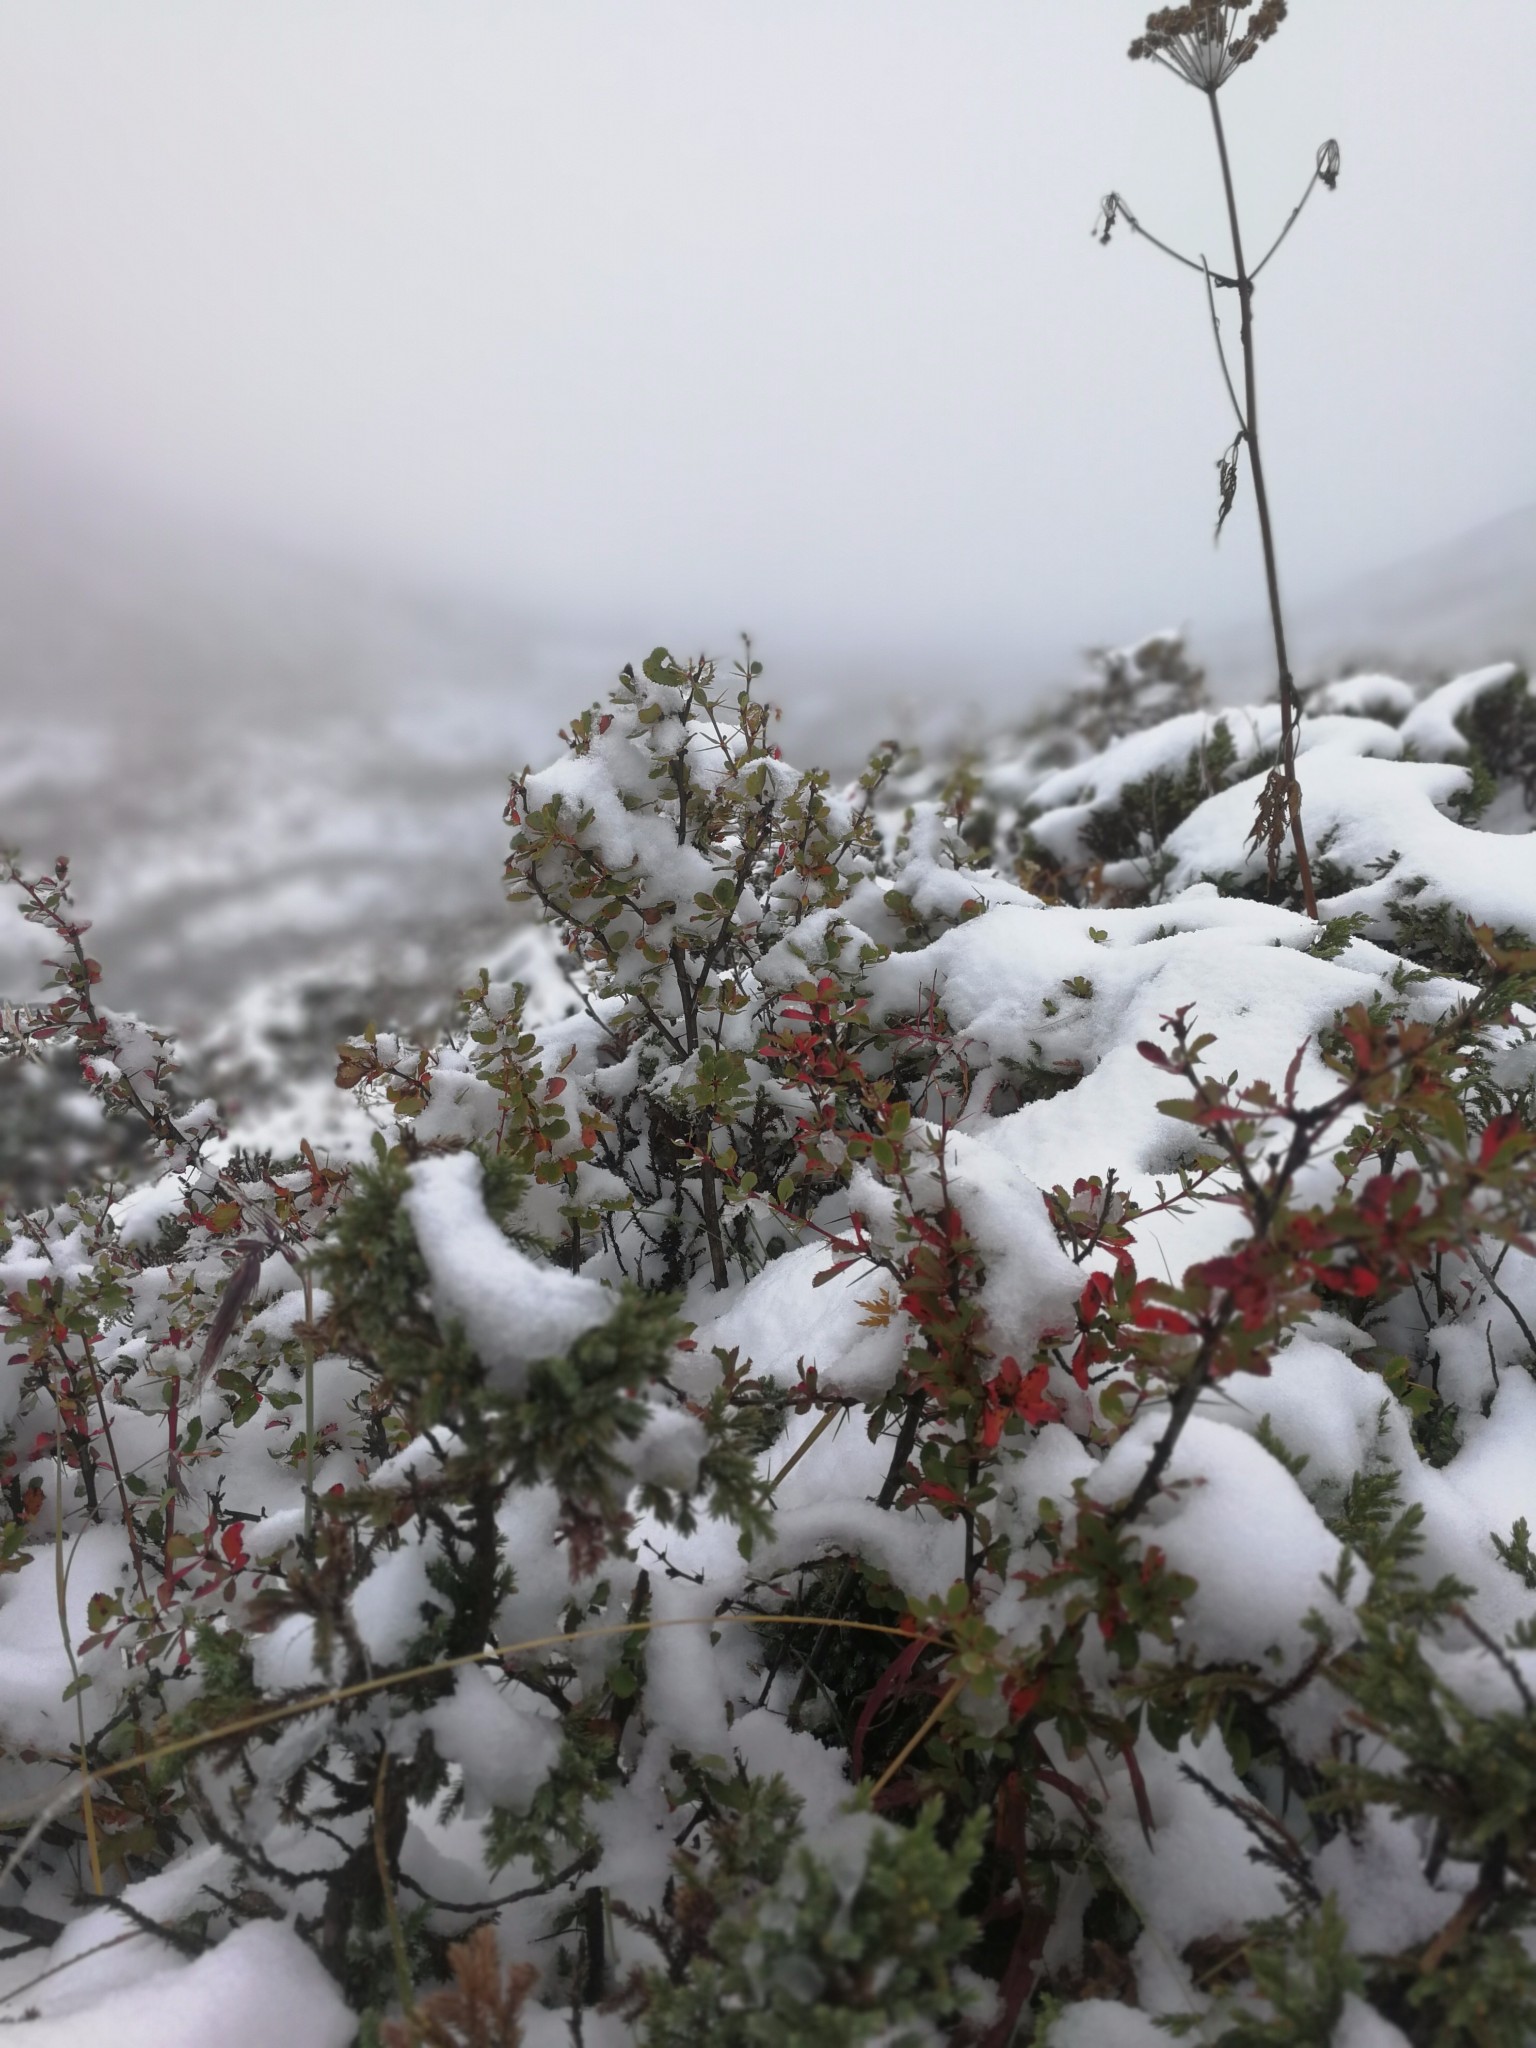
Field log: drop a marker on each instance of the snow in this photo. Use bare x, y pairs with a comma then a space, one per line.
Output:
1375, 1870
1236, 1522
504, 1749
1046, 1003
1492, 1470
1364, 696
767, 1745
1431, 729
669, 1450
1165, 746
1337, 1415
1361, 2026
513, 1309
1003, 982
785, 1325
140, 1213
259, 1986
1097, 2023
1372, 813
35, 1666
1194, 1878
856, 1347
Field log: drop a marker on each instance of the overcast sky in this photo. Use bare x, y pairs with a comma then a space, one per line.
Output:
781, 313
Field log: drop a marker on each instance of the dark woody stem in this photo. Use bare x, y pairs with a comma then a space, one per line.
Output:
1288, 706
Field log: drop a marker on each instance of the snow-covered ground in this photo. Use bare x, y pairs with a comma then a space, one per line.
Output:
262, 765
1116, 884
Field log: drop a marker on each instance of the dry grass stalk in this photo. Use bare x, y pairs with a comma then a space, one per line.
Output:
1203, 45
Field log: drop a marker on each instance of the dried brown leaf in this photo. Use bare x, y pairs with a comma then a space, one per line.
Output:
1270, 817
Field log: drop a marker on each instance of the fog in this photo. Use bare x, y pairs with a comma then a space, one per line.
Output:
376, 376
682, 316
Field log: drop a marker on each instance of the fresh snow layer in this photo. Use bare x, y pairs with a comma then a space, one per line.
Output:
504, 1749
1365, 696
1048, 1003
513, 1309
1372, 815
785, 1324
37, 1665
1431, 729
1241, 1527
1360, 2026
1099, 2023
259, 1987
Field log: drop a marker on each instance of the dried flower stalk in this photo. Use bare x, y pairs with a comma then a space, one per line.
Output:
1204, 44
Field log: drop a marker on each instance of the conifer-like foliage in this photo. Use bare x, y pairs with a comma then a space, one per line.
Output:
938, 1452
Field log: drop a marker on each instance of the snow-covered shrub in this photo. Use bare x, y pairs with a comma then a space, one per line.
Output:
881, 1460
1406, 858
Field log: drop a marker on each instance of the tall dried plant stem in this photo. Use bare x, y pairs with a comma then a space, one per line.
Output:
1288, 707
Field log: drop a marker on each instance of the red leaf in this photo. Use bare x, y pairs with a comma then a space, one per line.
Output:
1358, 1280
1094, 1295
1496, 1135
831, 1272
1012, 1391
1084, 1356
1168, 1319
1022, 1699
1294, 1069
1139, 1788
1152, 1052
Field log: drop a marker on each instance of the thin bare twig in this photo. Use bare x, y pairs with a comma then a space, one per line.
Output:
1221, 352
1499, 1295
1114, 208
1325, 173
1500, 1655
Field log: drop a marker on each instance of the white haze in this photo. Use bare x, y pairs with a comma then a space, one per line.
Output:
376, 376
678, 316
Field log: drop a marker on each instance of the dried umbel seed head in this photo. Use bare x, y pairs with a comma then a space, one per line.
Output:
1205, 42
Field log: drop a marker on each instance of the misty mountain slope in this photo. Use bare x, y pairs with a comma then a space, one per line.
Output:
260, 763
248, 756
1471, 599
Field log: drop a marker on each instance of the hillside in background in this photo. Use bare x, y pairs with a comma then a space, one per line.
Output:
259, 761
1472, 599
